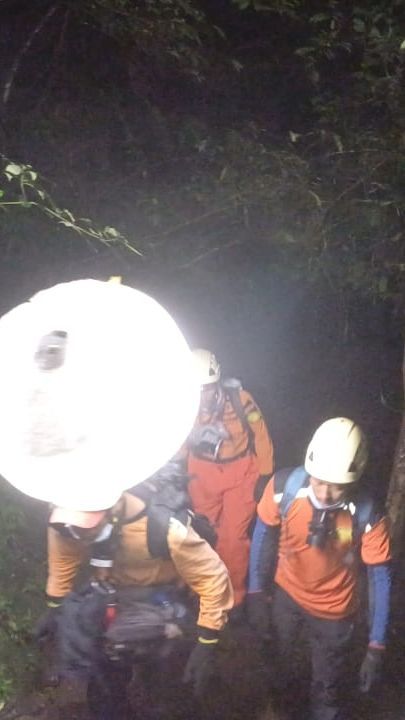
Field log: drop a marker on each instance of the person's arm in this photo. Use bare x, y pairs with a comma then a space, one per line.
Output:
265, 541
263, 442
379, 581
64, 558
204, 572
263, 556
65, 555
376, 554
263, 560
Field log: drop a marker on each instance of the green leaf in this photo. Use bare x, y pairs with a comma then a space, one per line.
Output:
66, 223
359, 25
112, 232
68, 215
242, 4
14, 170
236, 65
303, 51
318, 18
294, 136
338, 142
219, 31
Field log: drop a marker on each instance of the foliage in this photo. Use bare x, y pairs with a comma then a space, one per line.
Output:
26, 192
274, 6
322, 196
353, 55
162, 30
22, 576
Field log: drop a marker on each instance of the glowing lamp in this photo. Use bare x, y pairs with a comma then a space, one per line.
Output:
97, 391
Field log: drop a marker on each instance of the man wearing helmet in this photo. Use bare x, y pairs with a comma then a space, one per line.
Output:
80, 364
313, 528
118, 543
230, 456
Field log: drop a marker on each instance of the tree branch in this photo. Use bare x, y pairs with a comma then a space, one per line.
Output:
17, 62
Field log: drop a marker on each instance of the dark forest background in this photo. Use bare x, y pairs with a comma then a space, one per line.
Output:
244, 162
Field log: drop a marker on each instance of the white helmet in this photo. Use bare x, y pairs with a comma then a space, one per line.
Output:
89, 404
208, 367
337, 452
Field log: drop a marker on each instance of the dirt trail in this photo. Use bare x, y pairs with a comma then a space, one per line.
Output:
242, 693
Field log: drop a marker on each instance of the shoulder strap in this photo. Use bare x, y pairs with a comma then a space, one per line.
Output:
157, 530
232, 388
165, 496
295, 479
363, 515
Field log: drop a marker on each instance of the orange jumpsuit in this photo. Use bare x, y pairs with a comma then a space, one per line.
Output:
223, 488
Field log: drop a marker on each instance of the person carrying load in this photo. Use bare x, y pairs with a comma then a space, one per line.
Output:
81, 374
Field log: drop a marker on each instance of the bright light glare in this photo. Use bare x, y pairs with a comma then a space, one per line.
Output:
119, 407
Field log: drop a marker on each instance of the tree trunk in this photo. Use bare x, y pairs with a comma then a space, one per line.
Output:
396, 489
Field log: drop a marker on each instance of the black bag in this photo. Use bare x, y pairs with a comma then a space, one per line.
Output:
146, 618
166, 496
81, 626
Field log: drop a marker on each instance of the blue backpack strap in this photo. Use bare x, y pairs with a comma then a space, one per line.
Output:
365, 513
295, 480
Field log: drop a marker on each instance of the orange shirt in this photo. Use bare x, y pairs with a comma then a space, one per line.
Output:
322, 581
238, 441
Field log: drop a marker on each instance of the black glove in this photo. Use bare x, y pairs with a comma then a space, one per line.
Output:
258, 612
260, 487
371, 668
201, 665
47, 625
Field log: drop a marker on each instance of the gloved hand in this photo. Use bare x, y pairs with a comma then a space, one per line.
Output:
201, 665
47, 625
260, 487
258, 612
371, 668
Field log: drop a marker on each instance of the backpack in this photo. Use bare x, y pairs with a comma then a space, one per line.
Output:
290, 481
165, 496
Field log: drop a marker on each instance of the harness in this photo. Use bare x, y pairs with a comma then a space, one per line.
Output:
207, 439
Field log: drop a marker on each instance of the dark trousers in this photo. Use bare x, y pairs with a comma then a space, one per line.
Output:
329, 642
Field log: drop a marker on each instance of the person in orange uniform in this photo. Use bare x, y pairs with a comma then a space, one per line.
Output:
230, 459
74, 537
315, 527
79, 364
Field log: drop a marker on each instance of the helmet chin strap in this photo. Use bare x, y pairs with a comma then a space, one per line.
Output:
322, 506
